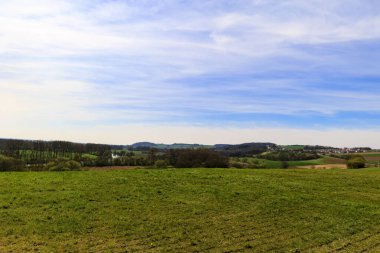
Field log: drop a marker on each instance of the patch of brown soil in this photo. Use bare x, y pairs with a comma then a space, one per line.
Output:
324, 166
114, 168
334, 160
372, 158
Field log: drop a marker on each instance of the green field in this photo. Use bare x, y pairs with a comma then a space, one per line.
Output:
269, 164
191, 210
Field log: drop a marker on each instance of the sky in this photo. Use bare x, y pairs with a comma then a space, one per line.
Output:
199, 71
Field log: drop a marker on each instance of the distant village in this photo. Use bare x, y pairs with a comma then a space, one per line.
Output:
330, 151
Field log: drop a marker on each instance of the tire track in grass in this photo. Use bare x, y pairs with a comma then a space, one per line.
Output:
223, 225
277, 240
351, 243
375, 248
288, 228
260, 235
236, 236
356, 241
287, 241
366, 244
226, 227
267, 238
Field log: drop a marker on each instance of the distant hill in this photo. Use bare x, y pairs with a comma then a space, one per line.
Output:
245, 149
143, 145
149, 145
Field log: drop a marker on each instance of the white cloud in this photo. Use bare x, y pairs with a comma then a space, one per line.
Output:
33, 9
136, 61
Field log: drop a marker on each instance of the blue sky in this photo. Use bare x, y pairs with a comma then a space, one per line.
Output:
217, 71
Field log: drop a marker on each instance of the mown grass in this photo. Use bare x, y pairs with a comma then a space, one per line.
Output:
190, 210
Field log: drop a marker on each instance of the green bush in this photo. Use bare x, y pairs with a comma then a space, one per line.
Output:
290, 155
196, 158
247, 163
238, 165
356, 162
11, 164
161, 164
63, 165
284, 165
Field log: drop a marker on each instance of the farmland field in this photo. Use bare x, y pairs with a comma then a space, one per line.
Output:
325, 160
191, 210
372, 158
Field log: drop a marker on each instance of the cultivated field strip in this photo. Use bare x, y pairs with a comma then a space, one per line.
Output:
365, 241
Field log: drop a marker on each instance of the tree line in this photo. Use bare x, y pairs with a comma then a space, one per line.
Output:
57, 155
35, 154
178, 158
289, 155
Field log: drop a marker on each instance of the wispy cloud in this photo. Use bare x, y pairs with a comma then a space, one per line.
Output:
261, 63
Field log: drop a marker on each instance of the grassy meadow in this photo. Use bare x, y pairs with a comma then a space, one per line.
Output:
191, 210
270, 164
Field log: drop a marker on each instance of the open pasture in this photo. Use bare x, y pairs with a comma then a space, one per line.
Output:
325, 161
191, 210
